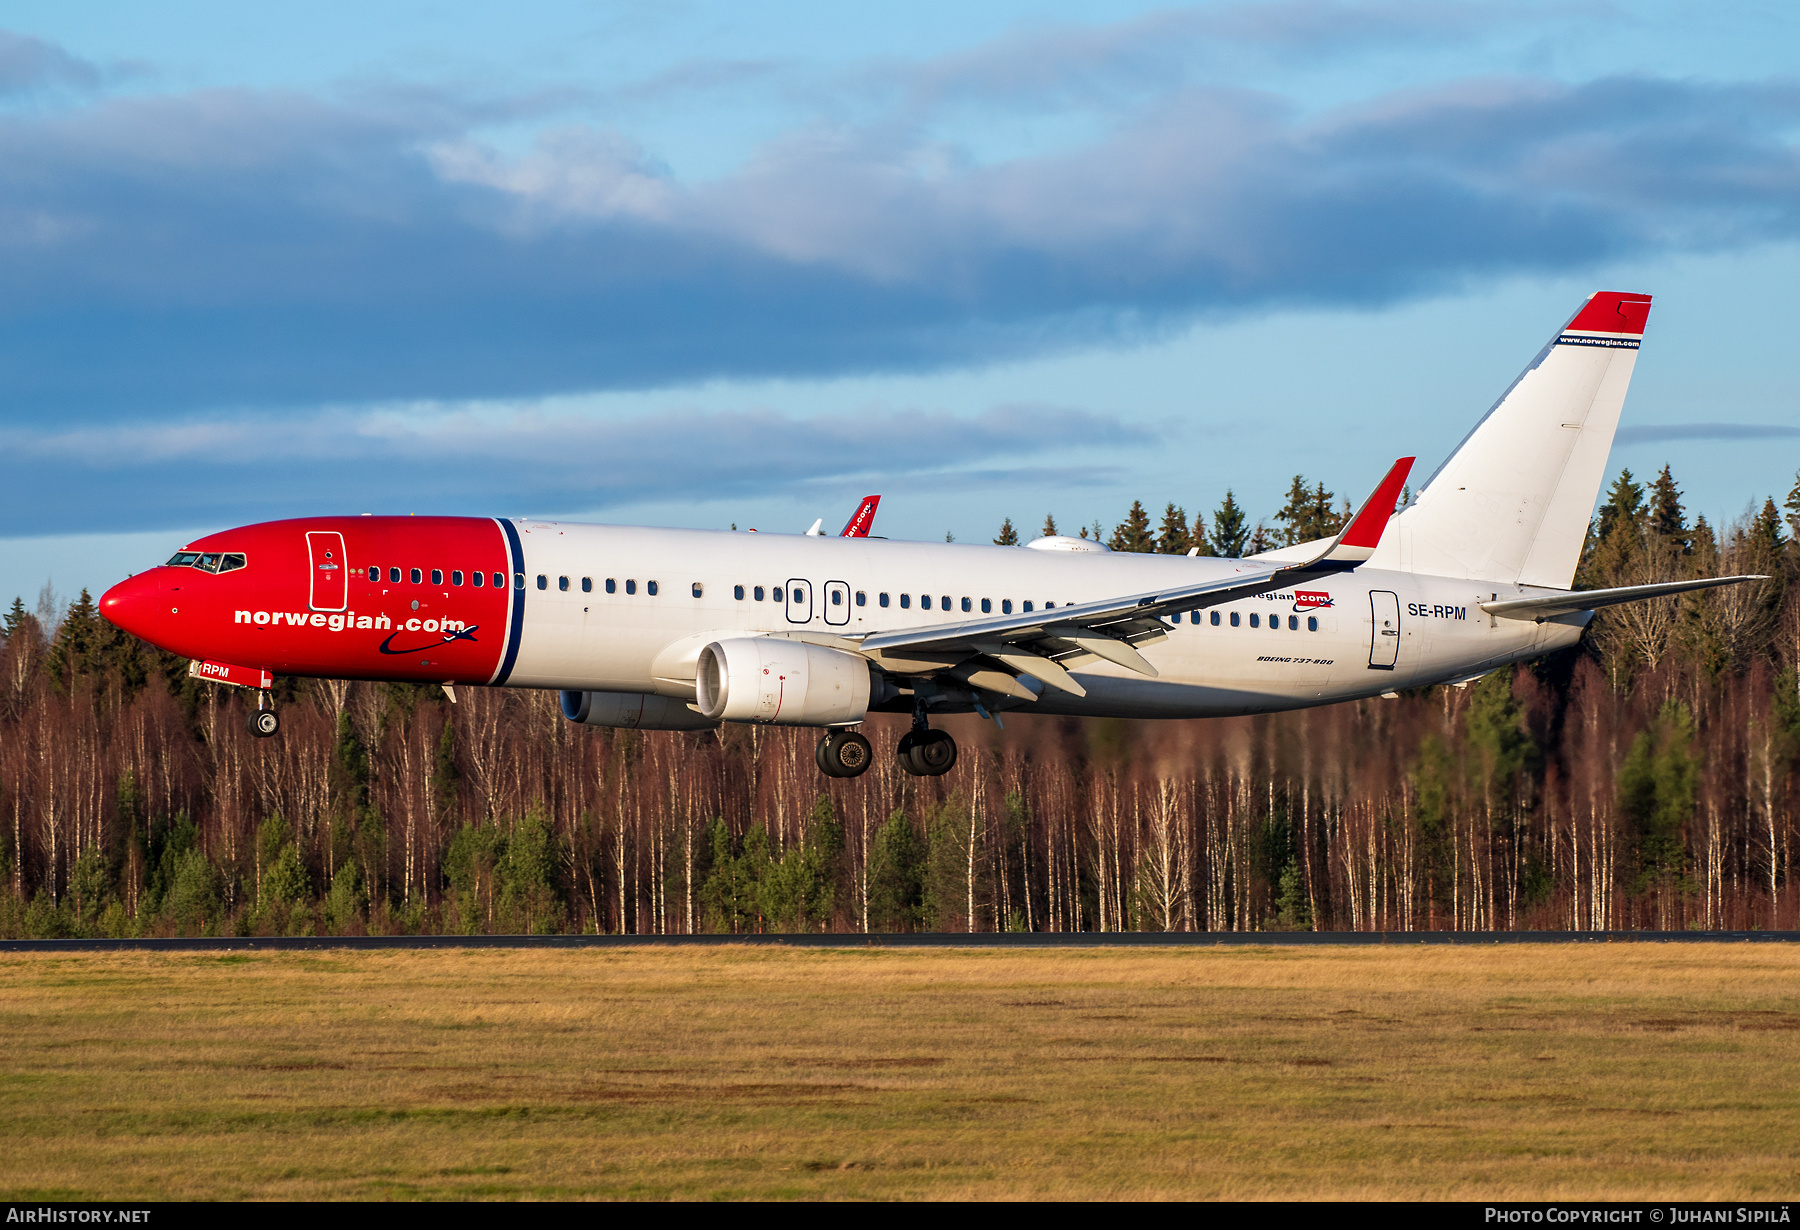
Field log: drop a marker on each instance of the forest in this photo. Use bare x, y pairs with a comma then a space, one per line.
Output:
1647, 778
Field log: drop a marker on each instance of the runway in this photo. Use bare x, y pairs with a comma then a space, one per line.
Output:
1079, 939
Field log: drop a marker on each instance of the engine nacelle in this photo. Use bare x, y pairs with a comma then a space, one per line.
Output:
775, 680
632, 711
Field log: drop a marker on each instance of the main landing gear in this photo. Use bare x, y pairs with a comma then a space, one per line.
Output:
844, 753
925, 752
264, 721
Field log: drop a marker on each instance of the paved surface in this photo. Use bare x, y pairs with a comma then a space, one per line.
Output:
1082, 939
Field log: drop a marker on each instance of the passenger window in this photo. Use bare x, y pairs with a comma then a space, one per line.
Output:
987, 606
393, 576
837, 597
1312, 623
1215, 619
477, 578
650, 588
1006, 606
1234, 619
612, 586
947, 603
1049, 606
1026, 606
698, 589
1293, 623
456, 576
587, 585
1253, 620
882, 599
862, 599
630, 586
518, 579
905, 601
924, 602
543, 581
374, 574
775, 593
737, 591
562, 583
757, 593
437, 576
417, 576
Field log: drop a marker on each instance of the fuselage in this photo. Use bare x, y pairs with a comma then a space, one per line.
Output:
576, 607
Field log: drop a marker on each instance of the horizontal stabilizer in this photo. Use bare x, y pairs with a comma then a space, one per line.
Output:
1540, 609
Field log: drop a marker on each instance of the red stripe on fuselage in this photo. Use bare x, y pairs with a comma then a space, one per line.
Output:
262, 613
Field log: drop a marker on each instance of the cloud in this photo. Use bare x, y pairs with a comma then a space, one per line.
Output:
165, 255
29, 65
1669, 432
512, 459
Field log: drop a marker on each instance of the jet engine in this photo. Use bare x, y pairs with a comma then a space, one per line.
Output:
774, 680
632, 710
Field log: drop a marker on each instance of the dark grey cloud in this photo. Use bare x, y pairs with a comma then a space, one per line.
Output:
1669, 432
229, 249
513, 461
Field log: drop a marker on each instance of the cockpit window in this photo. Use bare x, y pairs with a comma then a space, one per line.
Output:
208, 561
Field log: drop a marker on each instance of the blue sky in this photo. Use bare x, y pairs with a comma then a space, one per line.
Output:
703, 264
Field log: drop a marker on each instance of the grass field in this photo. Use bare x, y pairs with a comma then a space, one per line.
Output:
1604, 1071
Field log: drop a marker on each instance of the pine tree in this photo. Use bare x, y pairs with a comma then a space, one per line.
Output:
1765, 528
1792, 506
1230, 529
1666, 514
1260, 540
1172, 538
77, 639
16, 617
1049, 530
1008, 536
1308, 515
1133, 533
1197, 536
1624, 504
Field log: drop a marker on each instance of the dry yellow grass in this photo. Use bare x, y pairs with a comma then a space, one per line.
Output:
1516, 1072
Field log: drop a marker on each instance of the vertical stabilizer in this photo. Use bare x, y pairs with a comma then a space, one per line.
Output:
1512, 503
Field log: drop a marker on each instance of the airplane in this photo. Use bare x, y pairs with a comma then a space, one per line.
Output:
668, 629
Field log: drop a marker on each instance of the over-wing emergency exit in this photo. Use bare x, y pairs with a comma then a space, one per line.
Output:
685, 629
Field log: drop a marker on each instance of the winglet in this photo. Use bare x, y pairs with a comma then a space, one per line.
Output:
1359, 539
862, 519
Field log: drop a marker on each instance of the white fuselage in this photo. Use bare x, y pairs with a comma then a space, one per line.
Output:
1283, 651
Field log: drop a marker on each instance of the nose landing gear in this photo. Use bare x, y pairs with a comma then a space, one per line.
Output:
844, 753
264, 721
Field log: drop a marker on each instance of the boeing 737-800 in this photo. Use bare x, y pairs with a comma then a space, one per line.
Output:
684, 629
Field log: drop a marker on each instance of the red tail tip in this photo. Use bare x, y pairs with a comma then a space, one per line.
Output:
1612, 311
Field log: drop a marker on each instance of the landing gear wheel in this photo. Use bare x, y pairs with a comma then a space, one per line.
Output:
844, 753
264, 723
926, 753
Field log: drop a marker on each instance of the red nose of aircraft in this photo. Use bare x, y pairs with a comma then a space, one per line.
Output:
136, 604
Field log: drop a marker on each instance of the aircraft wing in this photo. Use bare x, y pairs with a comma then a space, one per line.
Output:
1038, 643
1540, 609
